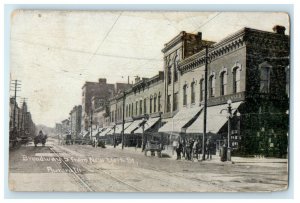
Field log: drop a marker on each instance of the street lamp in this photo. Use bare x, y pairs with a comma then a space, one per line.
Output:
229, 116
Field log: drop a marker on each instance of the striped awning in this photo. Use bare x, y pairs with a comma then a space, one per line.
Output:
181, 120
149, 124
215, 119
134, 126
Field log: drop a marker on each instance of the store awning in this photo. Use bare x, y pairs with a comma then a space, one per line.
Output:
106, 131
215, 120
149, 124
134, 126
119, 127
181, 119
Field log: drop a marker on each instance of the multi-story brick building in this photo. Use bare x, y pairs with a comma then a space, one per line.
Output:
75, 120
248, 69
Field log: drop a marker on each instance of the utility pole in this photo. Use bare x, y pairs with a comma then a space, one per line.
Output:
15, 84
23, 118
91, 123
123, 119
205, 104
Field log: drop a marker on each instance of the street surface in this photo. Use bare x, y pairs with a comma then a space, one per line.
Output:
84, 168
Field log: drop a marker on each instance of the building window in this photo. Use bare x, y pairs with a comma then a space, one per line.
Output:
158, 102
287, 81
212, 82
265, 79
169, 75
131, 109
126, 110
193, 93
141, 107
154, 103
151, 104
136, 108
169, 103
202, 90
175, 73
175, 102
145, 106
236, 75
223, 83
184, 95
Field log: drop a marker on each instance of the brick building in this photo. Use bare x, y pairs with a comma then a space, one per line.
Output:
248, 69
75, 120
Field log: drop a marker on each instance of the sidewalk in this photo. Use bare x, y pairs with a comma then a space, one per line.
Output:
215, 158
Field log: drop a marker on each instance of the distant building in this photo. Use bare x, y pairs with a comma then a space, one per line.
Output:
97, 93
65, 126
75, 120
58, 128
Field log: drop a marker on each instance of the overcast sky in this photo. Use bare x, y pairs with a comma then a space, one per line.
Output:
54, 52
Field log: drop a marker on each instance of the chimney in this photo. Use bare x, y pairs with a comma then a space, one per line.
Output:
200, 35
102, 81
279, 29
137, 79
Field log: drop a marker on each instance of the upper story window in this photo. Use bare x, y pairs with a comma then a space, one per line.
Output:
223, 83
193, 92
184, 95
169, 103
150, 104
136, 108
236, 79
141, 107
202, 90
169, 75
154, 103
175, 72
212, 83
129, 110
265, 79
175, 102
145, 106
158, 101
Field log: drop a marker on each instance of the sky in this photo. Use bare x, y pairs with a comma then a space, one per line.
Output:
53, 53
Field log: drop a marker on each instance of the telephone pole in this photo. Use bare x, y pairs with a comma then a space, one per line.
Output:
205, 104
15, 87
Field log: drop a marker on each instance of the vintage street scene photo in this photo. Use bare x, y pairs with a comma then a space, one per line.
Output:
148, 101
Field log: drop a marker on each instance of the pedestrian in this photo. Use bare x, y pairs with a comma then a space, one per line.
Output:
174, 145
179, 150
209, 149
194, 152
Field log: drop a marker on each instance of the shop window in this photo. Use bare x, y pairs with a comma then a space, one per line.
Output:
193, 92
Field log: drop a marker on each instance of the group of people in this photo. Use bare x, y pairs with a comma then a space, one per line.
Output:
192, 149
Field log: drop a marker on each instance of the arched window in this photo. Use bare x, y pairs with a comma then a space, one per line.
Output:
129, 110
265, 79
169, 75
141, 107
184, 95
158, 101
154, 103
136, 108
151, 104
175, 71
223, 83
212, 82
202, 90
193, 92
145, 106
236, 78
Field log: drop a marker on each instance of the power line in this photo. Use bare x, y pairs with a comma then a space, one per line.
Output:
207, 22
86, 52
